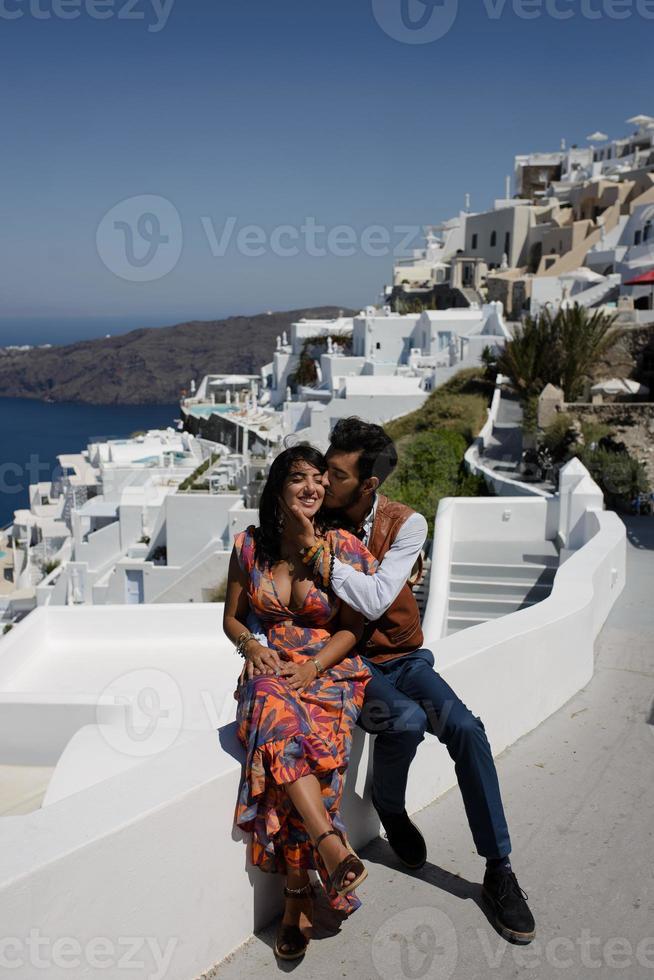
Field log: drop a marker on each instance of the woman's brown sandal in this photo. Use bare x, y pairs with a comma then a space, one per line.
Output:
351, 864
290, 936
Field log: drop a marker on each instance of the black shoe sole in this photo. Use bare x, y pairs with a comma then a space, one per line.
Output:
522, 938
407, 864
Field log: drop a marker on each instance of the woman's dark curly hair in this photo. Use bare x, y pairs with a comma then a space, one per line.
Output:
267, 537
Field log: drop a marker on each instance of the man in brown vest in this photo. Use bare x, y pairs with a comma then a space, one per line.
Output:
406, 696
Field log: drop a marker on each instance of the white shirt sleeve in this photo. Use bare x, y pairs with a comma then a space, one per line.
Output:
372, 595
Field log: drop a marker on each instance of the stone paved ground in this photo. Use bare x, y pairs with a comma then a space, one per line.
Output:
579, 795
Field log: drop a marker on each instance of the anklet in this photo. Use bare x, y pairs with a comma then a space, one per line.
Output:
293, 892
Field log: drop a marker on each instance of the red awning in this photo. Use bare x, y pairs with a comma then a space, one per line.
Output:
643, 280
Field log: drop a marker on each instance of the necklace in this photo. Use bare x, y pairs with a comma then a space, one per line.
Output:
291, 564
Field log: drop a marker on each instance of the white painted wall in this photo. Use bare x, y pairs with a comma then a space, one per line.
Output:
164, 817
192, 519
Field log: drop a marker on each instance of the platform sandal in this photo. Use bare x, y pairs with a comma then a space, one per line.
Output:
292, 936
352, 863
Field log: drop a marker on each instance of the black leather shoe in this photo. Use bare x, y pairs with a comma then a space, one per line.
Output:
508, 902
404, 837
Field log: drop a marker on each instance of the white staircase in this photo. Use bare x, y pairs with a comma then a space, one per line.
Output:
490, 579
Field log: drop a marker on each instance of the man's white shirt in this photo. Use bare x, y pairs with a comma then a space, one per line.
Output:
372, 595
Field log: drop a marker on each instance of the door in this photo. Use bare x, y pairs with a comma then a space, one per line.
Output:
133, 586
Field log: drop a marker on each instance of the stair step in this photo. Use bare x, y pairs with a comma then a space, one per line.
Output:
499, 589
487, 608
485, 571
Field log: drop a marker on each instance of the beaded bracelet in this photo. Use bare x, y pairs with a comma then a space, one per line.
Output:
311, 553
326, 562
317, 559
241, 641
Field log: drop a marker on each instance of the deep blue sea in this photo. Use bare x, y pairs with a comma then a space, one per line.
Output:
33, 432
56, 331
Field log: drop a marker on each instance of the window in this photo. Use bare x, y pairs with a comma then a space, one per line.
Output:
493, 240
638, 237
507, 243
474, 242
647, 232
378, 345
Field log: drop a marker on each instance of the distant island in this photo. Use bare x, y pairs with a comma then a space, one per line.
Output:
149, 365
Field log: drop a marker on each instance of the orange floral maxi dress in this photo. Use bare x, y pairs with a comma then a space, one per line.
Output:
288, 734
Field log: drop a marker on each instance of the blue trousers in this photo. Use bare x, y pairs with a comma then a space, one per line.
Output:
405, 699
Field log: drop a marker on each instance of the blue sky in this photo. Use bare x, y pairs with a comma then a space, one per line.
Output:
269, 114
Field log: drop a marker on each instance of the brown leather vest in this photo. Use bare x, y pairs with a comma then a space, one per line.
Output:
399, 630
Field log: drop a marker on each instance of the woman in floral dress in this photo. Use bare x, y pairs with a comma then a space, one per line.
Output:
300, 696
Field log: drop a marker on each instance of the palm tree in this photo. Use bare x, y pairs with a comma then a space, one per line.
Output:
561, 349
528, 359
583, 340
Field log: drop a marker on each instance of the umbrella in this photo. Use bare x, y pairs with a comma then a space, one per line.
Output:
643, 280
640, 120
232, 379
619, 386
583, 275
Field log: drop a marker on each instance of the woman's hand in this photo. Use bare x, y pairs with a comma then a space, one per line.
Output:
260, 660
299, 676
299, 524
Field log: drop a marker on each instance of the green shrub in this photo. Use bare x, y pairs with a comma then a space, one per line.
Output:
190, 482
449, 407
430, 468
594, 431
618, 474
560, 437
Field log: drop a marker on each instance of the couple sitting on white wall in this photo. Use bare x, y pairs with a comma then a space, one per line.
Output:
320, 606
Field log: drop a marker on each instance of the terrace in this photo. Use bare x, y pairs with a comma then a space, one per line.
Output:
119, 721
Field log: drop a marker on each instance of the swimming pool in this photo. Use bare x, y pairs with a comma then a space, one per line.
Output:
202, 411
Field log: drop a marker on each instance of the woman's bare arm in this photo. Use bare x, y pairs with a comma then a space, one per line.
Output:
337, 647
262, 660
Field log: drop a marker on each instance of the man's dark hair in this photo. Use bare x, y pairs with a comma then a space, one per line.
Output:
378, 454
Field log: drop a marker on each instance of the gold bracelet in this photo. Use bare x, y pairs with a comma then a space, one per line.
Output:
242, 641
319, 667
